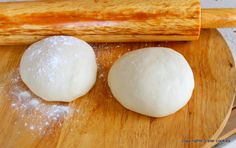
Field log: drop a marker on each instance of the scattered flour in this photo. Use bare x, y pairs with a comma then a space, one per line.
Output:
37, 115
101, 76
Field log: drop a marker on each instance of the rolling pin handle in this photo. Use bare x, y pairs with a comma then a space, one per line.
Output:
218, 18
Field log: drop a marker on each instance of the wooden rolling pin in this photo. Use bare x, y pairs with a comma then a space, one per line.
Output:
109, 20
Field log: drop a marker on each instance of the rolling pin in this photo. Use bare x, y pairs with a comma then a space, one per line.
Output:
109, 20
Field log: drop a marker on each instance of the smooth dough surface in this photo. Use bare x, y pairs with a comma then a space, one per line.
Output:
59, 68
152, 81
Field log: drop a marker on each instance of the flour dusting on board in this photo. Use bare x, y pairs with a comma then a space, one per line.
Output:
38, 116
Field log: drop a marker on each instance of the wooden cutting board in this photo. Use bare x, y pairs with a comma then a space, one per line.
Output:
230, 127
98, 120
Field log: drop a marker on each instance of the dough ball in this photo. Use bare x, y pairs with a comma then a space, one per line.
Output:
152, 81
59, 68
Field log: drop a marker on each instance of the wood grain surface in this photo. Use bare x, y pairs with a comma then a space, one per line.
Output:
218, 17
230, 127
103, 122
109, 21
103, 19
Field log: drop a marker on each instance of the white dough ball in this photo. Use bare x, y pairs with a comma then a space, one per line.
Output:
59, 68
152, 81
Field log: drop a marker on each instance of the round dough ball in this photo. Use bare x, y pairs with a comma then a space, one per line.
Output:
152, 81
59, 68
